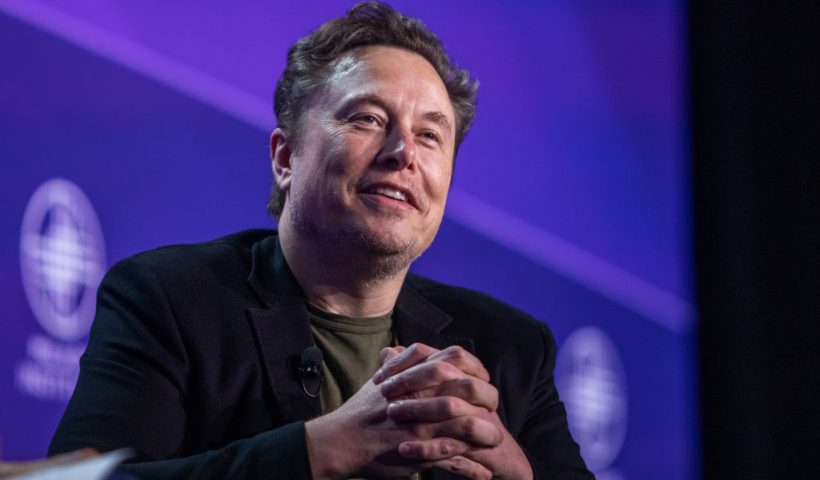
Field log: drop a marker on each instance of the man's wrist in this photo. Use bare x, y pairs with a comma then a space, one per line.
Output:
527, 471
326, 462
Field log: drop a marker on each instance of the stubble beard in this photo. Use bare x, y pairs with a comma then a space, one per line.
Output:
377, 256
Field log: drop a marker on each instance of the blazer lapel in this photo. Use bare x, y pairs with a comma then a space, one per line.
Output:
282, 330
416, 320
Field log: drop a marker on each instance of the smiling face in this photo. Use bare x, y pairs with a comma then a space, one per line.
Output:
374, 161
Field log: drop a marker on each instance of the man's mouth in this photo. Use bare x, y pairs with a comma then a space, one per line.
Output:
391, 191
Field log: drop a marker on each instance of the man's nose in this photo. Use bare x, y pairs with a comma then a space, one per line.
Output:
399, 150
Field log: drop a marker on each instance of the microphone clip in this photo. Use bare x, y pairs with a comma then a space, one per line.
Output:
310, 373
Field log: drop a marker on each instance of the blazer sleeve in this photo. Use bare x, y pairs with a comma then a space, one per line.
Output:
545, 436
131, 392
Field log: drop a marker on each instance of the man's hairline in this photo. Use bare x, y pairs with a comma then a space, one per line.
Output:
353, 51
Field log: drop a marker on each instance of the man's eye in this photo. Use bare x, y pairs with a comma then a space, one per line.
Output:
367, 118
432, 136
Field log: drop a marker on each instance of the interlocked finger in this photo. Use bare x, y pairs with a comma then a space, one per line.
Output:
474, 431
419, 378
464, 360
429, 410
433, 449
410, 356
437, 408
388, 353
464, 467
472, 390
440, 379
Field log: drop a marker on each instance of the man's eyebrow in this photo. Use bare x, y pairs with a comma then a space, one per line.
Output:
440, 119
436, 117
366, 98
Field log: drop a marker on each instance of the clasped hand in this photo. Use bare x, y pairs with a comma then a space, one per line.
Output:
423, 408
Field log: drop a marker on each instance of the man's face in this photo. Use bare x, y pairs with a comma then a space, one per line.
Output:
375, 159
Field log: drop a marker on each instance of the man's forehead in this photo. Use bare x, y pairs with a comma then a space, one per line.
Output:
383, 60
369, 73
348, 62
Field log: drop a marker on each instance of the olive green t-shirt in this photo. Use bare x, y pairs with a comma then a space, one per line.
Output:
350, 349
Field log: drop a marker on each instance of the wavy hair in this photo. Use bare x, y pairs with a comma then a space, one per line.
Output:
312, 58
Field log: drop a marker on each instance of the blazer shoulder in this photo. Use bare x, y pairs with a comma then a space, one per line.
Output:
477, 310
223, 255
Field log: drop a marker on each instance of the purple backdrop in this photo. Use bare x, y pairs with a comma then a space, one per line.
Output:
571, 198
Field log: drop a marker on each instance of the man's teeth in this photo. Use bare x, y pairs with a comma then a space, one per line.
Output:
389, 192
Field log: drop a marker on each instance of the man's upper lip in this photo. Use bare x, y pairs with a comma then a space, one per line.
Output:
408, 193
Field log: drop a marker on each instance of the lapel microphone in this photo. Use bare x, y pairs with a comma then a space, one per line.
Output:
310, 374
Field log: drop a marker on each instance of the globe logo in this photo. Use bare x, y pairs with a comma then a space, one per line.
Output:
592, 384
62, 258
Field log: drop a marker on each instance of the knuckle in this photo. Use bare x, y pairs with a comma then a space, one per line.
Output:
392, 362
474, 471
448, 370
456, 352
419, 350
414, 450
468, 387
457, 465
468, 428
449, 406
440, 369
499, 437
397, 388
420, 450
446, 447
409, 354
489, 395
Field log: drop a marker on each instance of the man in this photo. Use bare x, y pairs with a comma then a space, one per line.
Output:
194, 356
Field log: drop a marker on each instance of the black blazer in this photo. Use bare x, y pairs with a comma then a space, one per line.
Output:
192, 363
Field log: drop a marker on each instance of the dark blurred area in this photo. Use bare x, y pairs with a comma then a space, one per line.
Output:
755, 73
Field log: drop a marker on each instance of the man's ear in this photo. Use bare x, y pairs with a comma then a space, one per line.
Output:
280, 155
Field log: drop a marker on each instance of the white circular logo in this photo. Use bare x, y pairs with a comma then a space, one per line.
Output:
592, 384
62, 258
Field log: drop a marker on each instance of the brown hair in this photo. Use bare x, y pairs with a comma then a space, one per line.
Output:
311, 60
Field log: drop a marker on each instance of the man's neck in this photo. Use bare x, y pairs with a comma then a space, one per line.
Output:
345, 284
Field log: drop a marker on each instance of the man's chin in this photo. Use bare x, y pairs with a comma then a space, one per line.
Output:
381, 244
387, 254
385, 247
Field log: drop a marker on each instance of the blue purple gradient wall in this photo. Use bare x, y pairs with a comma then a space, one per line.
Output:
571, 196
